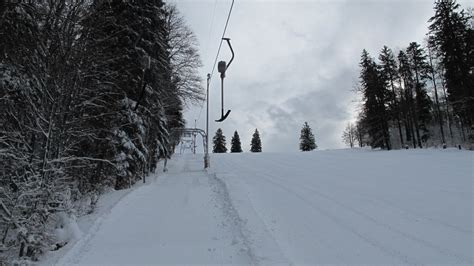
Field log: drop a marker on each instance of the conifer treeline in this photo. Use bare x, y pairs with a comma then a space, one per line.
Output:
423, 95
307, 141
89, 94
219, 142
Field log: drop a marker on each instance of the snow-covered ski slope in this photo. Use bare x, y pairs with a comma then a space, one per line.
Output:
323, 207
355, 207
178, 219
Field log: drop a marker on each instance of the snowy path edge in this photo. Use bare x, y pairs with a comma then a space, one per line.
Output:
76, 247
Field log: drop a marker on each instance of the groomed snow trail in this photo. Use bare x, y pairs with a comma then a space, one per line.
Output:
365, 207
355, 207
182, 218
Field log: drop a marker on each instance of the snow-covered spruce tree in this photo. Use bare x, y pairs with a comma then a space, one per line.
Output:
129, 37
219, 142
236, 145
389, 72
256, 143
452, 35
86, 101
420, 69
407, 102
307, 142
434, 73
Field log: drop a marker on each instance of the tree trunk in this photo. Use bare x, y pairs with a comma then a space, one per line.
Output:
407, 129
22, 250
397, 110
412, 117
417, 128
359, 138
415, 118
5, 235
47, 144
440, 117
3, 8
448, 114
412, 129
463, 134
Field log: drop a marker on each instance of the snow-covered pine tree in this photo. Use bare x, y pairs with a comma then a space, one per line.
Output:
376, 97
87, 100
219, 142
420, 69
389, 72
236, 145
141, 104
407, 101
256, 143
452, 34
307, 141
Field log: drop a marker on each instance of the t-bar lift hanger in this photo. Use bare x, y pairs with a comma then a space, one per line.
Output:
222, 67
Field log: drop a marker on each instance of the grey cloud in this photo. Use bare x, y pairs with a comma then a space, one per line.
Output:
324, 108
297, 61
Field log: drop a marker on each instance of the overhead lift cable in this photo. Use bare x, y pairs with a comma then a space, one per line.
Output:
218, 52
222, 38
211, 27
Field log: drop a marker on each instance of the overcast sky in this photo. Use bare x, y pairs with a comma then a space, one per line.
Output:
296, 61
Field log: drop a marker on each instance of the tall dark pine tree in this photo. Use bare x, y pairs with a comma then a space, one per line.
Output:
236, 145
256, 143
128, 78
452, 34
219, 142
439, 114
420, 68
307, 141
375, 99
407, 99
389, 73
88, 93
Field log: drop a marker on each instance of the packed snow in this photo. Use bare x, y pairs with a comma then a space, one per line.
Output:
338, 207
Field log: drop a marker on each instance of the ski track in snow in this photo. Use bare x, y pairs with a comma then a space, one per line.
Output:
369, 218
363, 226
185, 217
374, 200
232, 218
343, 224
288, 209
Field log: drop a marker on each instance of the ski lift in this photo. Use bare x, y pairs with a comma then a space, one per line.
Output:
222, 68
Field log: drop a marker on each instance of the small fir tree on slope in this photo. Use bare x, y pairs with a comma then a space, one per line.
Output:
307, 142
219, 142
256, 144
236, 145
